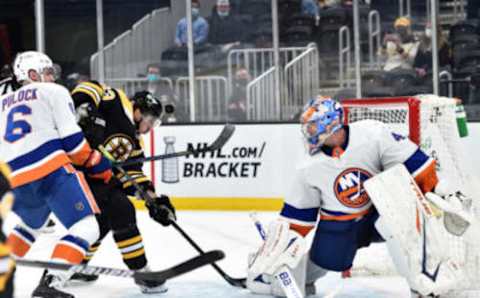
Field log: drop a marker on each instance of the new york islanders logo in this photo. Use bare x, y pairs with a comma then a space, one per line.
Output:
348, 187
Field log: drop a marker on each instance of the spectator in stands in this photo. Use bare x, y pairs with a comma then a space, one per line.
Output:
164, 92
399, 49
330, 3
224, 26
200, 28
311, 8
237, 104
423, 60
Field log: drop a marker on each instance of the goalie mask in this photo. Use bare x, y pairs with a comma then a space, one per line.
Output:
36, 61
321, 118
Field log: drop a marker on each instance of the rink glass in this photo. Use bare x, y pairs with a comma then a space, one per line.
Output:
242, 79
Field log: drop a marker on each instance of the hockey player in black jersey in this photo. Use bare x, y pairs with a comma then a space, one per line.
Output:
8, 268
108, 118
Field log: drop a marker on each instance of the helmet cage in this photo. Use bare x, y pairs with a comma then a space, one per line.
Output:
320, 119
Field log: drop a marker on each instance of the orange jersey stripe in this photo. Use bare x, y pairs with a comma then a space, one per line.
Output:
88, 193
345, 217
80, 156
302, 230
39, 172
69, 168
67, 253
427, 179
17, 245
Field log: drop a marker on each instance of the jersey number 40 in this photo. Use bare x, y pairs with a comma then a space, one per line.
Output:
17, 129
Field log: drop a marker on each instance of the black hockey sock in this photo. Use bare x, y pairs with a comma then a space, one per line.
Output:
130, 244
91, 251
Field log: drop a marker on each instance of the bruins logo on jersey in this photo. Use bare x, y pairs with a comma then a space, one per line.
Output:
120, 146
348, 187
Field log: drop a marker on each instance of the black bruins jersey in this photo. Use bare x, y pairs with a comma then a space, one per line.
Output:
106, 117
7, 264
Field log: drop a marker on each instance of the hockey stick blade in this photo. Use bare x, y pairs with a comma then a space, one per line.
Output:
218, 143
184, 267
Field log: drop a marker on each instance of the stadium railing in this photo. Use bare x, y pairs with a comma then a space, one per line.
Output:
211, 97
262, 105
301, 80
130, 85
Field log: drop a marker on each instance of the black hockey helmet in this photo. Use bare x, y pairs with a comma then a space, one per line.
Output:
147, 103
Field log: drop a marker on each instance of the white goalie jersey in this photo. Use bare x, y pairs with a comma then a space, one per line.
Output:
333, 186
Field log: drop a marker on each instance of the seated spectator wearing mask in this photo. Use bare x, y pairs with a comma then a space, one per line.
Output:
423, 60
164, 92
237, 103
155, 86
200, 28
224, 26
400, 49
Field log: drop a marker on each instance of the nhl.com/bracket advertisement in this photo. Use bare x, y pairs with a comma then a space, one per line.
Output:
239, 162
250, 165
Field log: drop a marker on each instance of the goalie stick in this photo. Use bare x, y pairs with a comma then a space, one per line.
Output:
236, 282
284, 275
184, 267
219, 142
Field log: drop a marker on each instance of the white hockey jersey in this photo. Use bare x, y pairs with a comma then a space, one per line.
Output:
333, 186
39, 133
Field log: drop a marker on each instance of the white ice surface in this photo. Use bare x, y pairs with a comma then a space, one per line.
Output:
231, 232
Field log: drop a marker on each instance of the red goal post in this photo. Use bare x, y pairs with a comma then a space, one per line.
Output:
411, 105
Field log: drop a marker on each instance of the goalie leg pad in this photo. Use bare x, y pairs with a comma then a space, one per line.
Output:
282, 248
267, 284
413, 231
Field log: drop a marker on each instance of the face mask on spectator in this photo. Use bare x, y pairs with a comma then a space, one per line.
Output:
153, 77
428, 32
222, 14
195, 12
241, 83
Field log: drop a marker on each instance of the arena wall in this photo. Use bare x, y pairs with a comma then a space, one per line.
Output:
253, 170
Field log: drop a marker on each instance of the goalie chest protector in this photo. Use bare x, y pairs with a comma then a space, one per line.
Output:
335, 184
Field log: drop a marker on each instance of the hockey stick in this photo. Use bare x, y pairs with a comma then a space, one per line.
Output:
283, 274
184, 267
219, 142
236, 282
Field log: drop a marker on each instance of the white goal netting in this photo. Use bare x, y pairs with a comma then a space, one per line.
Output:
431, 122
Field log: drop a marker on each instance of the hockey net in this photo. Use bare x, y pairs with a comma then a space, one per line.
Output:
430, 121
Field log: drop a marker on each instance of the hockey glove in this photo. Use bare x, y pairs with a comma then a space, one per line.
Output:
98, 166
161, 210
457, 207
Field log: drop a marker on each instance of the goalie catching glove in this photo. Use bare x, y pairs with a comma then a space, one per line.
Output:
457, 207
161, 210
